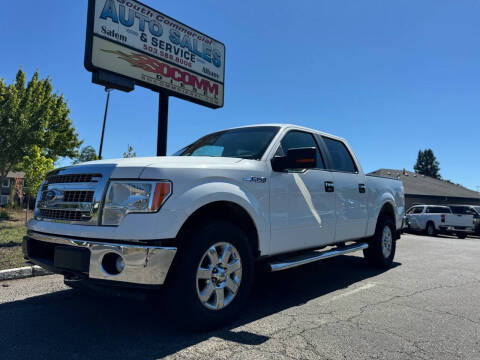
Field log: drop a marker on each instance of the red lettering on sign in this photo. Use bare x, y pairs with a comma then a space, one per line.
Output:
155, 66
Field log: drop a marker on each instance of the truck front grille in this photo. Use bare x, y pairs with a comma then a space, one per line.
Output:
68, 215
72, 178
73, 194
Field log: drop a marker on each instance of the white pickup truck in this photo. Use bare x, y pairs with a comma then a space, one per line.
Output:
433, 219
198, 221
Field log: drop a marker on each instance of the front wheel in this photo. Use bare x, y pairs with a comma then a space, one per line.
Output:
212, 277
381, 249
461, 236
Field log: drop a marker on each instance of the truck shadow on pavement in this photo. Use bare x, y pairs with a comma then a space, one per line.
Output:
72, 325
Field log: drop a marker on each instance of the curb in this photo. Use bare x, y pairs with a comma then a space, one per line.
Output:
23, 272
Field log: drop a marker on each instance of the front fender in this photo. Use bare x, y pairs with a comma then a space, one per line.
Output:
255, 203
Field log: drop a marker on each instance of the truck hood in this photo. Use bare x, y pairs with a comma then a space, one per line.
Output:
133, 167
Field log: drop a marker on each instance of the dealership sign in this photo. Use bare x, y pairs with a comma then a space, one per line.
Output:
130, 39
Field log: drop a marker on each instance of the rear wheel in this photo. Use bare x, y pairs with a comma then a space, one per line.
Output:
430, 230
212, 276
381, 249
461, 236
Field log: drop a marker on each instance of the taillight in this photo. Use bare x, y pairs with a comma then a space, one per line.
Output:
442, 218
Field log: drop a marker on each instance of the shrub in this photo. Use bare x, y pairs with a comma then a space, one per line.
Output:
4, 215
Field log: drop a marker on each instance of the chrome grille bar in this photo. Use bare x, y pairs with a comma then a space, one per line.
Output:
72, 178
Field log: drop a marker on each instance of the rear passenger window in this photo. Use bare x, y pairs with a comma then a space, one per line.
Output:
438, 210
342, 160
299, 139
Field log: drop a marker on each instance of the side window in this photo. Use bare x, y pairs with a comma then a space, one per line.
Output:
438, 210
342, 160
298, 139
418, 210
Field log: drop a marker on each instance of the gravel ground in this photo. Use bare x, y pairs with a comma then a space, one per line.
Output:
425, 307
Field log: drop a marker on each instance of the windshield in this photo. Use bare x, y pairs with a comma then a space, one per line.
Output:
477, 209
245, 143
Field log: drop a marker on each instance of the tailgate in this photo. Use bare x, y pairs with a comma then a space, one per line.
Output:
458, 220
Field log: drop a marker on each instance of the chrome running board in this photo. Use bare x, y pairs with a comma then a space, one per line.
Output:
302, 259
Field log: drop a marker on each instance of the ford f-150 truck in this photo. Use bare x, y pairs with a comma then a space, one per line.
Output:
196, 223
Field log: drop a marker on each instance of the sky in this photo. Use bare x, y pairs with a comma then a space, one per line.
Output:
391, 77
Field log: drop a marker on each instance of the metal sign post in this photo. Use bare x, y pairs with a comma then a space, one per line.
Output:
162, 124
104, 121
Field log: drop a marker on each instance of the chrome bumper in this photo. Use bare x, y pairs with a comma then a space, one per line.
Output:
146, 265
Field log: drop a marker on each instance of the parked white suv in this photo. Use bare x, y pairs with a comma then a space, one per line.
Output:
196, 222
433, 219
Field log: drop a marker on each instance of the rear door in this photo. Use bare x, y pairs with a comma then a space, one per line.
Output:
437, 214
350, 192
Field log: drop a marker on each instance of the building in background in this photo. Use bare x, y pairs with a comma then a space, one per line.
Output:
6, 187
420, 189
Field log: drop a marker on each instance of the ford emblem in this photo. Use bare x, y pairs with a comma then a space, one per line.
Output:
52, 195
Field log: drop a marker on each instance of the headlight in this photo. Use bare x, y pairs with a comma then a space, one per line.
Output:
124, 197
37, 199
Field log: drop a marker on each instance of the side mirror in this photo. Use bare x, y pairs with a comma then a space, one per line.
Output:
298, 158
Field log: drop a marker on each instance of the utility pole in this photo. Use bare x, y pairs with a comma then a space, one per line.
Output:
104, 121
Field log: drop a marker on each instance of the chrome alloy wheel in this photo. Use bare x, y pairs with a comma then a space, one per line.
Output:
387, 240
219, 275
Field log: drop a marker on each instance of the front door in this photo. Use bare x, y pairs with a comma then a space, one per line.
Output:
302, 211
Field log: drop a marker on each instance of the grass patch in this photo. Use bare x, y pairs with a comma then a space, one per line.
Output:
11, 235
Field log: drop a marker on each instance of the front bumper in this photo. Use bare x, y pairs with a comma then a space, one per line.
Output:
84, 258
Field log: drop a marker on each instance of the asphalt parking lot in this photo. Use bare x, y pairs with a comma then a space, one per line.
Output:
425, 307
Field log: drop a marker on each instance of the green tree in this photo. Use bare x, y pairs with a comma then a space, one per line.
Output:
130, 153
36, 166
86, 154
31, 114
427, 164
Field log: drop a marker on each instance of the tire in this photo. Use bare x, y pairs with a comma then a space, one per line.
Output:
382, 246
430, 229
186, 283
461, 236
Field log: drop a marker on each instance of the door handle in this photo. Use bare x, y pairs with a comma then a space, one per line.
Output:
362, 188
329, 186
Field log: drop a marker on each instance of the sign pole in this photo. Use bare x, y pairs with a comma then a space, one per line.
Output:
162, 124
104, 121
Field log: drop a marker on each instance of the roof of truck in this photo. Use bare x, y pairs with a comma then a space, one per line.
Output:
298, 127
